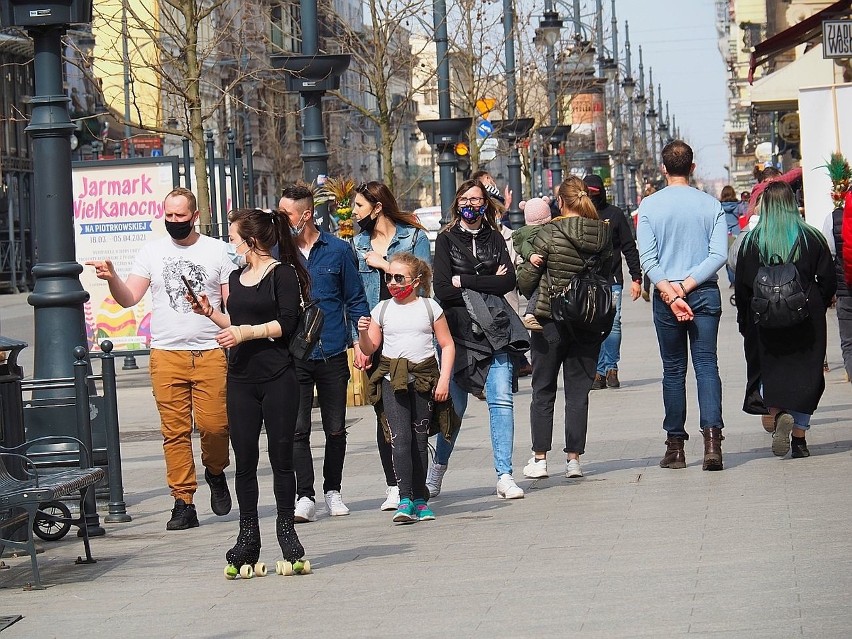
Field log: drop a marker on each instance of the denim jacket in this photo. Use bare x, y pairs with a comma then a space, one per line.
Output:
335, 284
407, 238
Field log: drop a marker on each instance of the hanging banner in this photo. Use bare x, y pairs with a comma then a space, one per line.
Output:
118, 207
825, 129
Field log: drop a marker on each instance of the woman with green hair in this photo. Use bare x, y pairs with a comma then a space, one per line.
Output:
791, 356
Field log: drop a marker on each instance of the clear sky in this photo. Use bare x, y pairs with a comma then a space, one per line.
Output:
680, 43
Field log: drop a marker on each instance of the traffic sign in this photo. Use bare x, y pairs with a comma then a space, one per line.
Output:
484, 106
484, 128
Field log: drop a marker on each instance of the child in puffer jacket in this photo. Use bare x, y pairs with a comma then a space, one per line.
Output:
536, 213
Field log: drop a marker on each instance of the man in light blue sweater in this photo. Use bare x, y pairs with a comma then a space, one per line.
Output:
682, 244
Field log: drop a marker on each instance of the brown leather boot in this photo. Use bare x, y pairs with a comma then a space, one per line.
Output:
674, 457
712, 449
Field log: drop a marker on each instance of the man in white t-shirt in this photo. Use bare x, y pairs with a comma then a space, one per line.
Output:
188, 368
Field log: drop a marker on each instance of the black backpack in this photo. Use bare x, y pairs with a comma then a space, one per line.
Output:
584, 306
778, 296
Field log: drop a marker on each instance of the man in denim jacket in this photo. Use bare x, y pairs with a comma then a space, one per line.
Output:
336, 285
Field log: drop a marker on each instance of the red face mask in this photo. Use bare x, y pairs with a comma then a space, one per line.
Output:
401, 292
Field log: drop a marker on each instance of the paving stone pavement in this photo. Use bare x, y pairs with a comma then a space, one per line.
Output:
762, 549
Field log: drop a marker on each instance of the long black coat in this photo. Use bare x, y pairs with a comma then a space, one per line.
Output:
791, 359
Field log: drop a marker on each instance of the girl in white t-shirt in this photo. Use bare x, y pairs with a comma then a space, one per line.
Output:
406, 327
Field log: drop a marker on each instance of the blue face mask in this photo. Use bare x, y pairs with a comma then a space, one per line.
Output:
296, 230
237, 258
471, 214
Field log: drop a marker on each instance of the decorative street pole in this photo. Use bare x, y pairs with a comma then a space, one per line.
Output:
312, 75
548, 34
445, 132
58, 297
512, 128
616, 109
629, 86
652, 118
642, 102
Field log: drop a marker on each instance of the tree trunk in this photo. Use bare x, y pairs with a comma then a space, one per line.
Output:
387, 155
196, 123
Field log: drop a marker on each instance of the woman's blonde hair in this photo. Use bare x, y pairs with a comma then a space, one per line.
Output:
574, 198
418, 269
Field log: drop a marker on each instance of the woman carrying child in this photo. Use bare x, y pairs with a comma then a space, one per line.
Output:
407, 378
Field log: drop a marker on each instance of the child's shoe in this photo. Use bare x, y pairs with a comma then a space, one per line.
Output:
531, 322
405, 514
424, 513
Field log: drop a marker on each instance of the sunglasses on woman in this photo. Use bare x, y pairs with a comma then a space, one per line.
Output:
363, 190
399, 278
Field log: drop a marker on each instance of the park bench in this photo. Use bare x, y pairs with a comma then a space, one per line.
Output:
25, 490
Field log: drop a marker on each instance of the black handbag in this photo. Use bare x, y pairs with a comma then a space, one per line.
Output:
309, 328
585, 304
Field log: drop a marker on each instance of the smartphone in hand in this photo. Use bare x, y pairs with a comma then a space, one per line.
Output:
189, 289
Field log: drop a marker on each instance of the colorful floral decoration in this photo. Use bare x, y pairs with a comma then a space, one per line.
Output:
342, 191
841, 178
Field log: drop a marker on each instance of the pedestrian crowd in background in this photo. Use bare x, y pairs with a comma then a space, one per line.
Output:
430, 330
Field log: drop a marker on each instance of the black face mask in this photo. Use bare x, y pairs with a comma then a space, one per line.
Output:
367, 223
179, 230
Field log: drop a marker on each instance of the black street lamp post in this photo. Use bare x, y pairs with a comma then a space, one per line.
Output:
445, 132
652, 118
512, 129
58, 296
312, 74
629, 87
642, 103
548, 32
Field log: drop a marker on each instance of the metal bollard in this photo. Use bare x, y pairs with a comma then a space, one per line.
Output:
129, 363
84, 434
117, 508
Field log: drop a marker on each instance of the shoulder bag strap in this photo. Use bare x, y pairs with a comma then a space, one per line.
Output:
382, 313
429, 311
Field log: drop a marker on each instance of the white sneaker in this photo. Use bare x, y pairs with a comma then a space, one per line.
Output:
392, 502
508, 489
572, 469
306, 511
536, 468
434, 478
335, 505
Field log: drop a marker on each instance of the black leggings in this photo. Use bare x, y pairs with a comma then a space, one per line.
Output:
273, 404
408, 414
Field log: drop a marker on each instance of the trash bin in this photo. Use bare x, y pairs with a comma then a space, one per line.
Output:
11, 401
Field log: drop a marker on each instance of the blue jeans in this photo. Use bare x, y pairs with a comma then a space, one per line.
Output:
700, 335
498, 391
611, 347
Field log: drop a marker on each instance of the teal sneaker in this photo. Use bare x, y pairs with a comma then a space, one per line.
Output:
424, 513
405, 512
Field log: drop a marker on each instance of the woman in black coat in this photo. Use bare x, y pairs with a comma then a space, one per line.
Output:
791, 358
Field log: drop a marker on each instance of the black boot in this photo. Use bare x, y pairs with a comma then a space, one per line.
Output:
799, 447
291, 547
674, 457
247, 548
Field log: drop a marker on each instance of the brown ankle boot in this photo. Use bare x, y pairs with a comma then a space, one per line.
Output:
712, 449
674, 457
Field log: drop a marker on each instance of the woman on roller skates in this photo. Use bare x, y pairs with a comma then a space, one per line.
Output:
407, 378
263, 312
